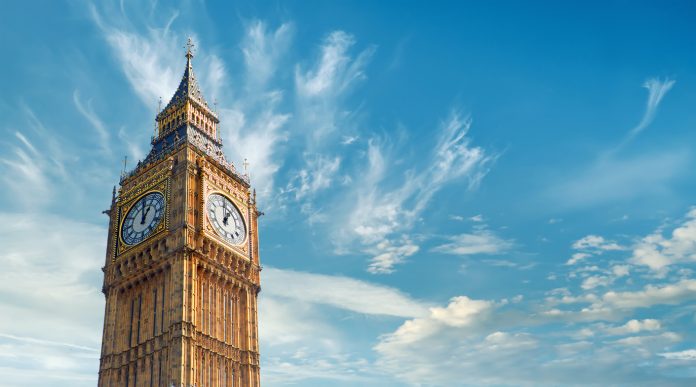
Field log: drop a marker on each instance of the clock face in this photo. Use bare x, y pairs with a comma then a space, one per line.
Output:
226, 219
142, 218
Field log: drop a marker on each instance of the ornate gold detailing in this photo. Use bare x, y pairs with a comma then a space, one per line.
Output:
130, 197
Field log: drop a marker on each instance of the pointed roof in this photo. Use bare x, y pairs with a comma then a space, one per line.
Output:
188, 87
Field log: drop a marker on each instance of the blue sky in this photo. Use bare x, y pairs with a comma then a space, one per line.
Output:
495, 193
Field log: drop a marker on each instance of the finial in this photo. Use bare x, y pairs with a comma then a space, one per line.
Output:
246, 166
189, 48
125, 163
215, 106
113, 196
159, 109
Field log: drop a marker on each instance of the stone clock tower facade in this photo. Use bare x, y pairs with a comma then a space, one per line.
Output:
181, 277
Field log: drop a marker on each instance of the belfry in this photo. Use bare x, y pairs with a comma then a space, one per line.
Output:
181, 276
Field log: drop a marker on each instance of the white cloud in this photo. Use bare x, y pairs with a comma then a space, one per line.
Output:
346, 293
321, 89
152, 61
657, 89
668, 294
620, 270
56, 275
662, 339
595, 243
595, 281
262, 50
347, 140
635, 326
335, 70
658, 252
300, 340
611, 177
257, 141
688, 354
460, 312
648, 174
95, 121
24, 171
385, 216
479, 242
476, 218
252, 126
614, 304
36, 163
577, 257
389, 253
301, 343
316, 176
478, 342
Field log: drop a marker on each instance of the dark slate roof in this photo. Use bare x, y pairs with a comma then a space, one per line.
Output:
188, 88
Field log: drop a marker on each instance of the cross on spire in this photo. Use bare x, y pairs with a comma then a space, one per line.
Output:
189, 48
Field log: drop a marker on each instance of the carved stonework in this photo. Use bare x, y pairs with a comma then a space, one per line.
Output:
181, 301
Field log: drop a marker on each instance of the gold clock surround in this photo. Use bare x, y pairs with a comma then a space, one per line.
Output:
129, 199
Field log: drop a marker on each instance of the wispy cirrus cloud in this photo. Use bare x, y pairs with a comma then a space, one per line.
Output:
262, 50
609, 180
479, 242
318, 174
88, 113
37, 162
253, 127
612, 176
323, 87
323, 120
148, 58
384, 217
657, 89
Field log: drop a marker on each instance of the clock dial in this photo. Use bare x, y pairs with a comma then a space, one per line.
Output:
226, 219
142, 218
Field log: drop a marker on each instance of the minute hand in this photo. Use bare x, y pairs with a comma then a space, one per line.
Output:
142, 218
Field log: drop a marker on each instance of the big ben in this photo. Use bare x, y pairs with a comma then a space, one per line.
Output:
181, 276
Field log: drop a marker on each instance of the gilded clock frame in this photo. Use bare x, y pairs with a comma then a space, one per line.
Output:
129, 199
211, 228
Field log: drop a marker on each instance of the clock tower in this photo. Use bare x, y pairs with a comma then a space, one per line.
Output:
181, 276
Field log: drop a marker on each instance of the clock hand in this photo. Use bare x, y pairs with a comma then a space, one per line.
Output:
142, 219
142, 213
227, 215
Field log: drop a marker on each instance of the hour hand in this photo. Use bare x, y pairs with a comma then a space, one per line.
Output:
227, 216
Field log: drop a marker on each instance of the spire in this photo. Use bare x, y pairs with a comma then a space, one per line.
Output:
188, 87
187, 120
